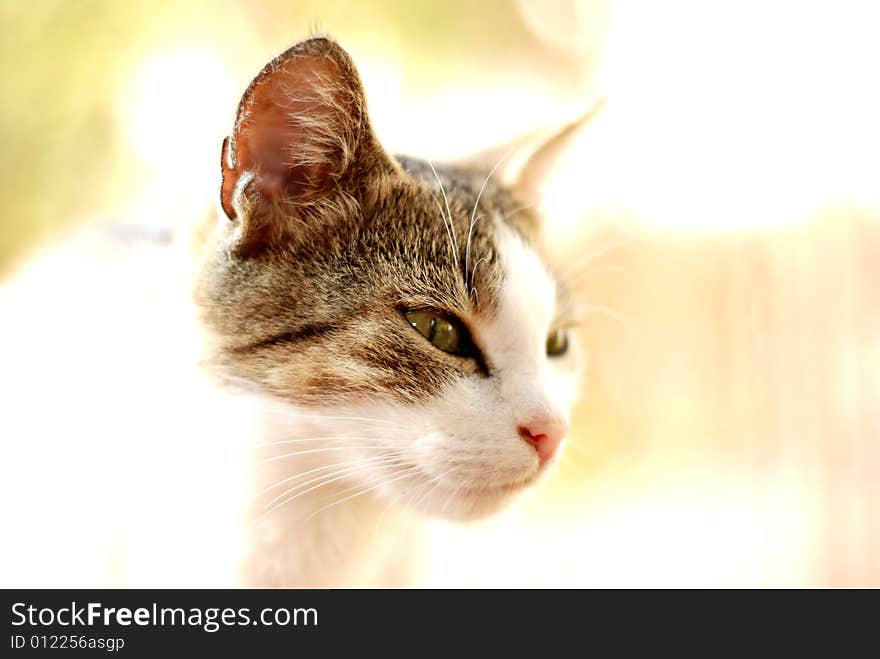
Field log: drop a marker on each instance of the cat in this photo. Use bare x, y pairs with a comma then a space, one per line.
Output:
402, 313
369, 342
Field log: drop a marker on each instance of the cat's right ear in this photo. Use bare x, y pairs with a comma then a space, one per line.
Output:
300, 144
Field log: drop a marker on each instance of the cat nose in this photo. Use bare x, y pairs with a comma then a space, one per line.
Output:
545, 434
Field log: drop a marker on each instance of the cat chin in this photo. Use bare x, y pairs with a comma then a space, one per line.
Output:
467, 510
459, 504
469, 506
473, 509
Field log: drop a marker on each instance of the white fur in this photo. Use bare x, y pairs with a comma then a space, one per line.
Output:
124, 465
458, 455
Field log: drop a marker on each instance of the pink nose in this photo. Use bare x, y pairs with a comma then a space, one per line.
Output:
545, 434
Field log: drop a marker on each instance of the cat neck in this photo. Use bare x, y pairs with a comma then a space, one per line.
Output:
307, 528
358, 543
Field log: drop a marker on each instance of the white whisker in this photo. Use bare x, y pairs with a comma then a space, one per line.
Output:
406, 473
453, 495
451, 225
370, 460
592, 272
482, 259
593, 256
321, 450
467, 252
336, 476
448, 232
436, 480
606, 311
324, 438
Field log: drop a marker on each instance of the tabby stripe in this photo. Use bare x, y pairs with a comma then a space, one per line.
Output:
285, 338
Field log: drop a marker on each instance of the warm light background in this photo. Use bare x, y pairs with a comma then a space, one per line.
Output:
722, 216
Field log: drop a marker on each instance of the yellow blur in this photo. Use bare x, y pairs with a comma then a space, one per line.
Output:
720, 220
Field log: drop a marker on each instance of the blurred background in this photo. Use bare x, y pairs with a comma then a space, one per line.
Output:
720, 217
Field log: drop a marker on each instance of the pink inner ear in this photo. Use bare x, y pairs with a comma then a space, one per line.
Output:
293, 129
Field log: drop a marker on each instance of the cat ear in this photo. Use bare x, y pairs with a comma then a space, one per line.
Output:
526, 162
300, 141
537, 167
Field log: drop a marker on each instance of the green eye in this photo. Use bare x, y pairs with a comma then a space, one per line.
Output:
443, 333
557, 343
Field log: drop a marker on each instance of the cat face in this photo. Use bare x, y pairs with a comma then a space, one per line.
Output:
401, 313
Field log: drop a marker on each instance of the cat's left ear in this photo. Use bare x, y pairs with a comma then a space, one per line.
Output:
527, 162
300, 147
537, 168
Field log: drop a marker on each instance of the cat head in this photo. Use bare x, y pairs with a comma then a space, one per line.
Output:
406, 308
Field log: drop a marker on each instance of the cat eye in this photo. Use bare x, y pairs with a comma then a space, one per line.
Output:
557, 343
443, 333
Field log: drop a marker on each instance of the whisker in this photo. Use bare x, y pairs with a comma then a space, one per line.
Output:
593, 271
467, 252
606, 311
436, 480
322, 417
369, 460
405, 473
448, 233
451, 225
325, 479
408, 499
321, 450
594, 256
416, 492
324, 438
473, 278
454, 494
518, 209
